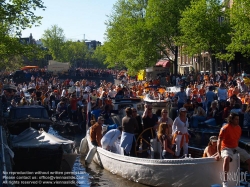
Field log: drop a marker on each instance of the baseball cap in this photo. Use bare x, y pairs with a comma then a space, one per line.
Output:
183, 109
213, 138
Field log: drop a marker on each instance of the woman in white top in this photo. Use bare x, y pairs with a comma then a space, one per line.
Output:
180, 132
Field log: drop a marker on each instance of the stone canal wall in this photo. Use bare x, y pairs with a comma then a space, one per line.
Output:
5, 160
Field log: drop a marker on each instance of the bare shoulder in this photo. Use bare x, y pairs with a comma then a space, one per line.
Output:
206, 150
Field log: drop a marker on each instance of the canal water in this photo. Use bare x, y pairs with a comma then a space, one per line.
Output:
94, 175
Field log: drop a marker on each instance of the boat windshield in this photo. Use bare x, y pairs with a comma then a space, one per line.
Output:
32, 112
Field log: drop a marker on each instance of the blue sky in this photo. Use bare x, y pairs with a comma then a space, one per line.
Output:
76, 17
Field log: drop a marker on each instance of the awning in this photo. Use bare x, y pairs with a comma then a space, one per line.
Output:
29, 67
163, 63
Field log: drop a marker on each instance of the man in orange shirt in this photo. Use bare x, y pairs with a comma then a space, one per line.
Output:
202, 91
96, 132
230, 91
228, 144
195, 91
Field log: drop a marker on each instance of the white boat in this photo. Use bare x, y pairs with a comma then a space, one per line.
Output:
158, 102
195, 172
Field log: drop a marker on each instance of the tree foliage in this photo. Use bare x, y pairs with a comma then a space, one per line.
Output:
15, 16
19, 15
53, 39
202, 27
240, 23
138, 32
73, 52
98, 57
205, 27
127, 36
163, 19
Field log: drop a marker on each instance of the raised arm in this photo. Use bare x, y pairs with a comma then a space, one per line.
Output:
174, 127
145, 113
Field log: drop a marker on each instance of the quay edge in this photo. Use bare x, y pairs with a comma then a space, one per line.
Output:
5, 160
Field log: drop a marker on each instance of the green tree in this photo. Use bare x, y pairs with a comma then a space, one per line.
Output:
240, 23
18, 14
15, 16
98, 57
127, 36
74, 52
163, 22
202, 28
54, 38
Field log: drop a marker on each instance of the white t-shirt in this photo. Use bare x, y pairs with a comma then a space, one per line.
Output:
178, 125
112, 93
78, 88
71, 83
188, 91
63, 93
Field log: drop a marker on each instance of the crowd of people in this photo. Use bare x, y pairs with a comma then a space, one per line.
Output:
202, 99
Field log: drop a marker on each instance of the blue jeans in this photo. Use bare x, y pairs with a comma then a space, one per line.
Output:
196, 119
208, 106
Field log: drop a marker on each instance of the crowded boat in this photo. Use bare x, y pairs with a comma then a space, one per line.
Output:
157, 131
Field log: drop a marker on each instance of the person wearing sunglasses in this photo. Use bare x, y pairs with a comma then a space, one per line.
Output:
180, 132
211, 149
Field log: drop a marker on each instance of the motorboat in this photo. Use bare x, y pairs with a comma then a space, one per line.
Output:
158, 104
23, 117
184, 172
161, 101
37, 150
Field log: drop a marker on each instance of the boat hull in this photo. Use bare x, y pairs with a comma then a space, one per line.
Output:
171, 172
37, 159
